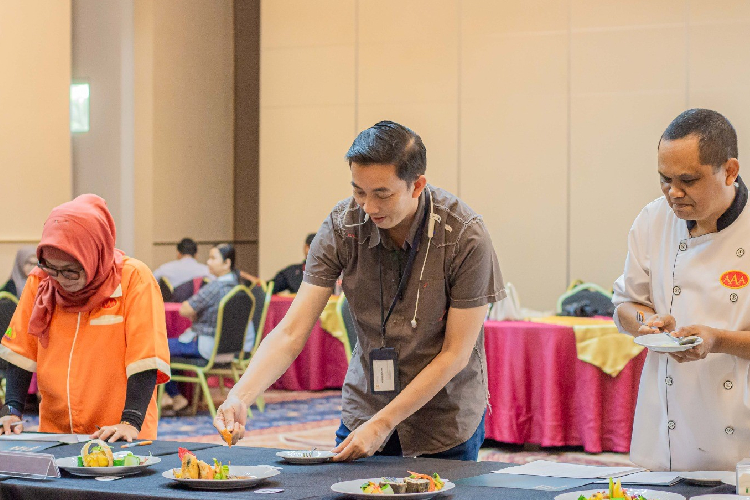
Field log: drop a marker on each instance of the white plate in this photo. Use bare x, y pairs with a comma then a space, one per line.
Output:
710, 477
70, 464
260, 473
649, 494
353, 488
305, 457
658, 342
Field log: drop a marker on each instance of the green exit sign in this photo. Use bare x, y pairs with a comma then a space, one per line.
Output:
79, 107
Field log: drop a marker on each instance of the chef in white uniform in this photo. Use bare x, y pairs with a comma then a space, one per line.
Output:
687, 271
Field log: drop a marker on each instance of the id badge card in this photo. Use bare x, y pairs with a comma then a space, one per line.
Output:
384, 371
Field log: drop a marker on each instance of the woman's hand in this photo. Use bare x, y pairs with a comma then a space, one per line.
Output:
232, 415
5, 425
364, 441
121, 431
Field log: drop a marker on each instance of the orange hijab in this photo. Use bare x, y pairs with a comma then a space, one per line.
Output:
84, 229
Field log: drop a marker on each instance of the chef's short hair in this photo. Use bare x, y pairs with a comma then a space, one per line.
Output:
389, 143
717, 139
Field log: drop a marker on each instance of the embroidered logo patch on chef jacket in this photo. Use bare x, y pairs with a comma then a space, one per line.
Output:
734, 279
110, 302
10, 333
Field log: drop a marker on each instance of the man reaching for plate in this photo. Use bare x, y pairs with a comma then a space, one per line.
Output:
687, 273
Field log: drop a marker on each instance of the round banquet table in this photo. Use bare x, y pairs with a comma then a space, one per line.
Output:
322, 364
541, 393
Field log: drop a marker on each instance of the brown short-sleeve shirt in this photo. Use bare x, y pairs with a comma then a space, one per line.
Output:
460, 270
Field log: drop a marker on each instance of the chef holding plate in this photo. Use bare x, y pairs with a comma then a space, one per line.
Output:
686, 274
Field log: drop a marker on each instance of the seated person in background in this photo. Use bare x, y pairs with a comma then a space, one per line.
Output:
185, 268
87, 294
24, 264
290, 278
203, 310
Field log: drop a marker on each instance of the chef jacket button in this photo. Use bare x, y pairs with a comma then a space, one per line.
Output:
740, 252
672, 425
728, 385
729, 430
669, 380
676, 290
683, 246
733, 297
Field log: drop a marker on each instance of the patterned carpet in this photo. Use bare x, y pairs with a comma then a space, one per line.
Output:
303, 420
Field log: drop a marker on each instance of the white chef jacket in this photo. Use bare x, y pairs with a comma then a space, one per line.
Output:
693, 415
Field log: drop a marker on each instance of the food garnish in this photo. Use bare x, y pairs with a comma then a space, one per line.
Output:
96, 453
615, 492
192, 468
227, 436
414, 483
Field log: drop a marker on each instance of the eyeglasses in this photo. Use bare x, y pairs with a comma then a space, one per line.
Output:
66, 273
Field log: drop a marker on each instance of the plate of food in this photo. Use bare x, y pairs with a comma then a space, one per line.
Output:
305, 457
617, 491
97, 459
413, 486
663, 342
195, 473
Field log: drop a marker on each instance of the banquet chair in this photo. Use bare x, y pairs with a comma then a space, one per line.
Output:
235, 310
166, 289
183, 291
8, 303
347, 320
262, 292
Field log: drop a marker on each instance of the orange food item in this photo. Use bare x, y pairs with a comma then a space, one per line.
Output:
227, 436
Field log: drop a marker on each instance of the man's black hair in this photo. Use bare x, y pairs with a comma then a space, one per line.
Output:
717, 139
187, 247
309, 239
388, 143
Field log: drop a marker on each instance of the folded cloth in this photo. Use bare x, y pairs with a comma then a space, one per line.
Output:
598, 342
330, 322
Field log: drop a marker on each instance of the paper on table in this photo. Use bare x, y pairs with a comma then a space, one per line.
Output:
556, 469
649, 478
41, 436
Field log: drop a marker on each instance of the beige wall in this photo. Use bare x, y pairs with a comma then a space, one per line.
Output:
35, 129
184, 125
543, 115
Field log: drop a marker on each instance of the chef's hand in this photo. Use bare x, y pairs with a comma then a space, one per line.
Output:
658, 323
122, 431
364, 441
5, 427
232, 415
700, 351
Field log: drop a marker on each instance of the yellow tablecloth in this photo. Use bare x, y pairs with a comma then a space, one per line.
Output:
598, 342
330, 322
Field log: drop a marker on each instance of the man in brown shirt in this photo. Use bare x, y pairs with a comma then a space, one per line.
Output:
419, 271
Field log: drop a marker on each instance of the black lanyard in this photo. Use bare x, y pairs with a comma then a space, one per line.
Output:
407, 270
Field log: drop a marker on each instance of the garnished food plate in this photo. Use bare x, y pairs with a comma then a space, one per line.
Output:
354, 489
240, 476
633, 492
305, 457
71, 464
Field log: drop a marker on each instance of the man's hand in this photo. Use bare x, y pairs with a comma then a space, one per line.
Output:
232, 415
116, 432
5, 427
364, 441
658, 323
709, 336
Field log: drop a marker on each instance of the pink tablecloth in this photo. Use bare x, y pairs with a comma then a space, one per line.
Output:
321, 364
541, 393
176, 324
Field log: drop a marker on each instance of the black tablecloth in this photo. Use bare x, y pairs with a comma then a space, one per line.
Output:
298, 481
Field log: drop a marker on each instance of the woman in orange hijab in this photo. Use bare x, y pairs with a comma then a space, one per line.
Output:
90, 323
